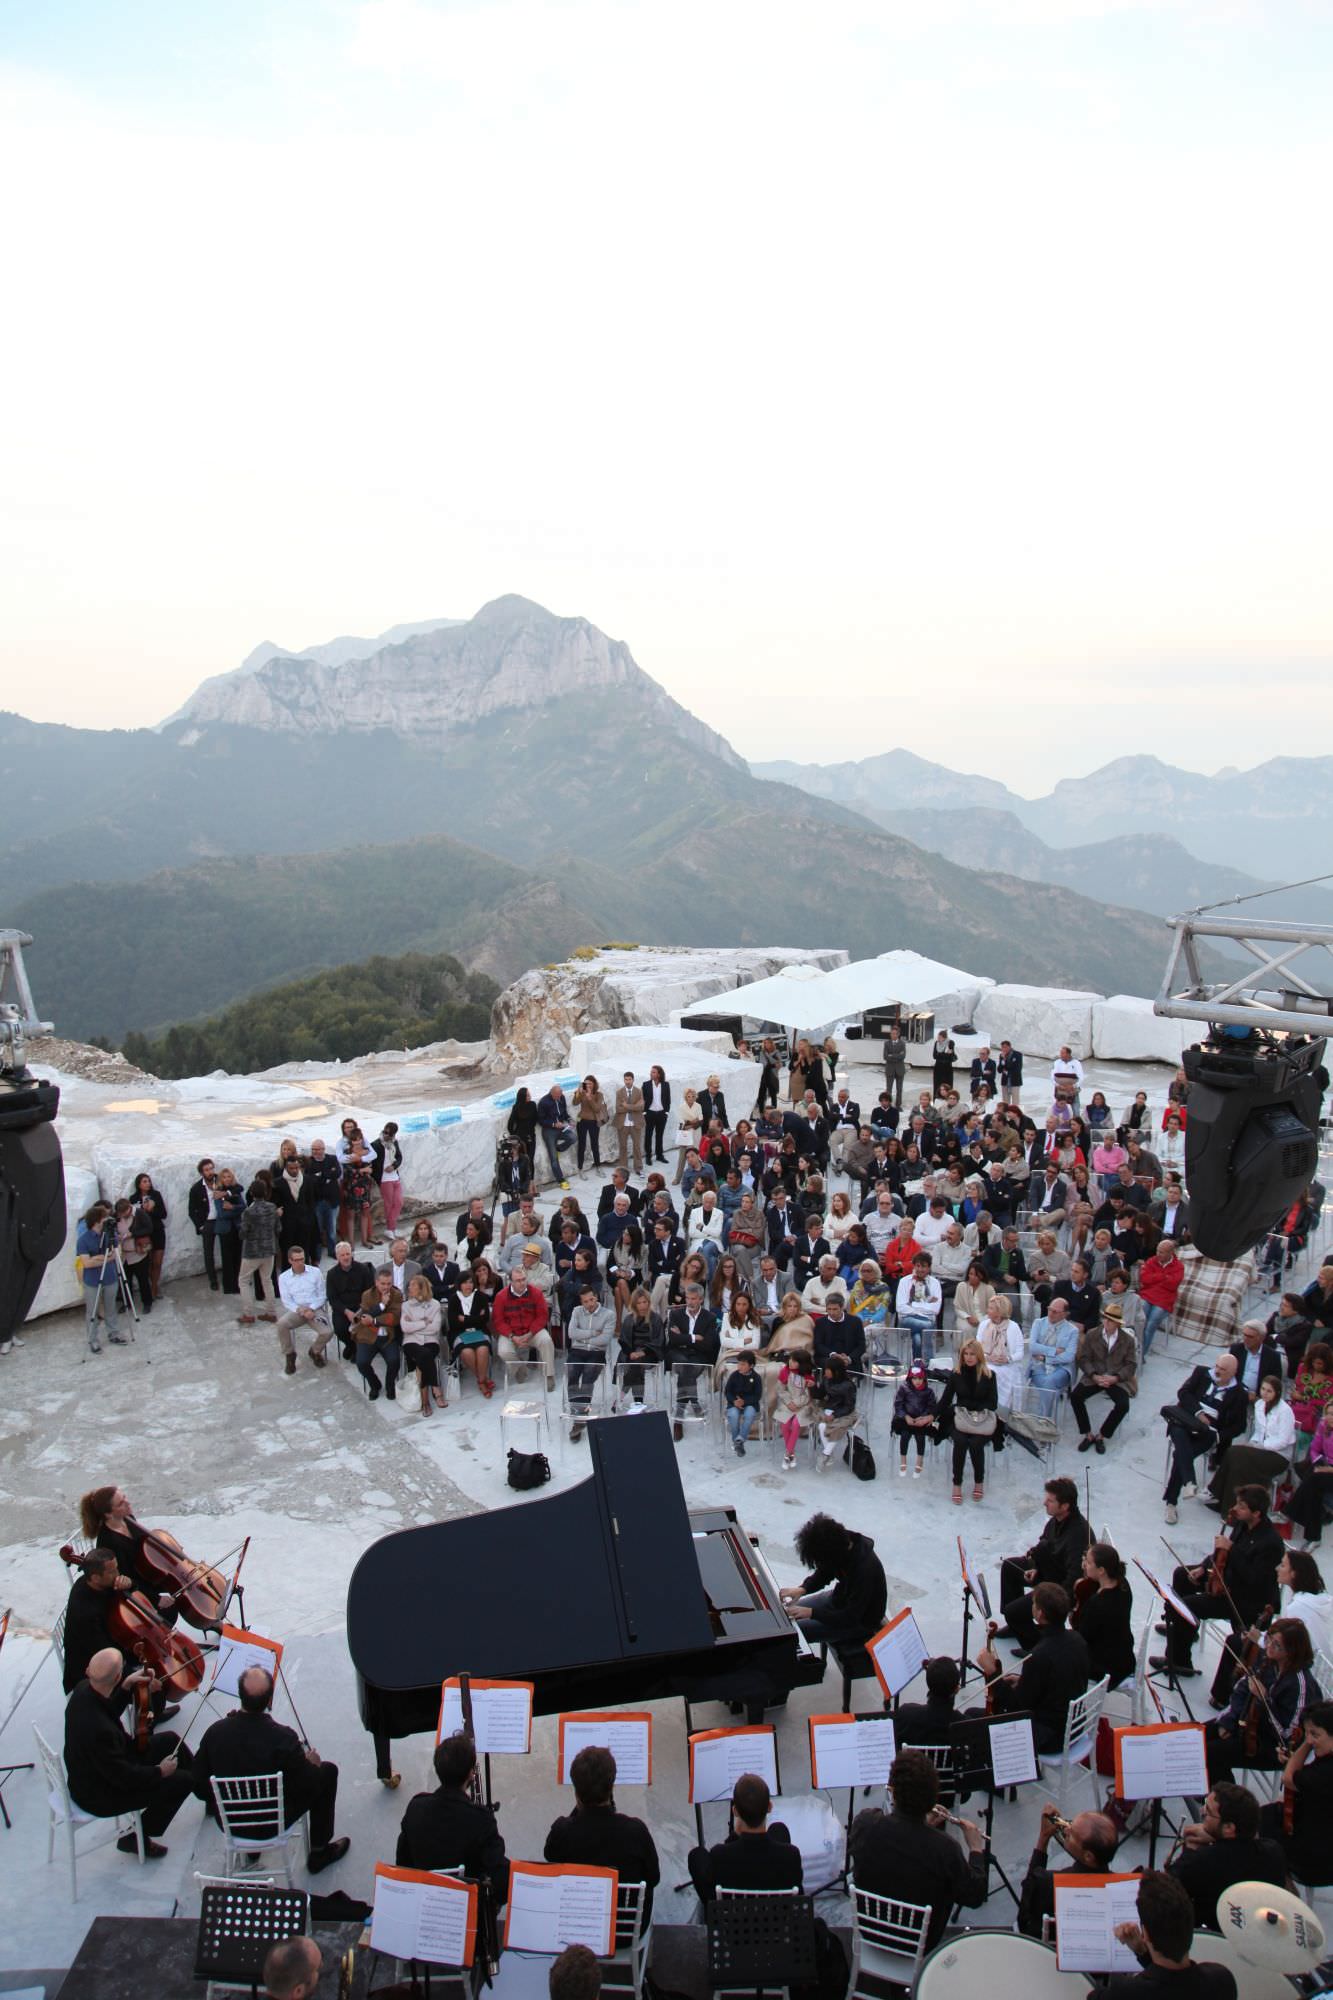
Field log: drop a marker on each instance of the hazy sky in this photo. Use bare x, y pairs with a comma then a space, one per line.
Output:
953, 373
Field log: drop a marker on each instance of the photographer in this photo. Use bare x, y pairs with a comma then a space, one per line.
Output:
101, 1280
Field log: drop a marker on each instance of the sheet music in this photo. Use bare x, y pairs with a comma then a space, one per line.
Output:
1013, 1755
629, 1738
1087, 1911
238, 1650
501, 1716
1164, 1591
1161, 1761
719, 1756
844, 1751
417, 1915
551, 1907
898, 1652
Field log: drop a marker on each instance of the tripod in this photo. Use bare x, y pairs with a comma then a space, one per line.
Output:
112, 1261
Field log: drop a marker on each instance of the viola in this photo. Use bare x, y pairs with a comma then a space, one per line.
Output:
139, 1630
992, 1630
1085, 1589
1251, 1656
199, 1592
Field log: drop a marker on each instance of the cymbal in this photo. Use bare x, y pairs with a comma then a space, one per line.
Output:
1269, 1927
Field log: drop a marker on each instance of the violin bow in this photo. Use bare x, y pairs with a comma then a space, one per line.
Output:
1249, 1673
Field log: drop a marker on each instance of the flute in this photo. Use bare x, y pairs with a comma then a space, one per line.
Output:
952, 1819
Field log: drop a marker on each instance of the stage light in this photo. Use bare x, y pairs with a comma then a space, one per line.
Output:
1251, 1134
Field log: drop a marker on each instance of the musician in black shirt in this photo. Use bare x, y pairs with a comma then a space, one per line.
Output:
451, 1829
87, 1630
1307, 1801
755, 1856
1161, 1941
846, 1584
908, 1853
1224, 1848
1055, 1672
1089, 1841
916, 1723
595, 1835
1056, 1557
1103, 1618
107, 1774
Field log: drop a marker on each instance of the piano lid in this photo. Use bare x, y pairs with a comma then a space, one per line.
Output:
602, 1572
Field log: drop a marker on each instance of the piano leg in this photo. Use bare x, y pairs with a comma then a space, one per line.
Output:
384, 1770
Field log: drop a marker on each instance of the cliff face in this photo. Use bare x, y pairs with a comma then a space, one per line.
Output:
534, 1020
512, 656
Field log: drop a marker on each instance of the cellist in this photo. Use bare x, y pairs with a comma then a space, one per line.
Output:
1237, 1584
107, 1519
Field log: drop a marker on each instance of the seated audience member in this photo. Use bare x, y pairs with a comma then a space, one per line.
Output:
755, 1855
595, 1835
1089, 1841
1054, 1673
249, 1743
1108, 1365
1259, 1458
519, 1321
1208, 1414
449, 1829
742, 1395
916, 1723
909, 1854
292, 1969
842, 1601
107, 1775
1053, 1354
1223, 1848
345, 1283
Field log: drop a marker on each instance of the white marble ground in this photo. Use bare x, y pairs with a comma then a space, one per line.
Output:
213, 1441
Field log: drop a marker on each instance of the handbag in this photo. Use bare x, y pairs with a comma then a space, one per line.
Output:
863, 1458
974, 1423
528, 1469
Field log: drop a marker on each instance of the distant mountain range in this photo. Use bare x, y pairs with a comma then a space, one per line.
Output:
505, 788
1273, 823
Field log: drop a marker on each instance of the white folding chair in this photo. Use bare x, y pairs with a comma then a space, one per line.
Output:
941, 1756
64, 1813
623, 1970
888, 1940
58, 1642
252, 1817
1079, 1744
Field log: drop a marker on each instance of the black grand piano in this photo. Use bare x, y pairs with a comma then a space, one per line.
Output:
612, 1592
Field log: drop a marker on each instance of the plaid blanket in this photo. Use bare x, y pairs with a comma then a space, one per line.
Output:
1211, 1296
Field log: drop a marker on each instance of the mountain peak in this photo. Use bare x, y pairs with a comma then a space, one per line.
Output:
430, 682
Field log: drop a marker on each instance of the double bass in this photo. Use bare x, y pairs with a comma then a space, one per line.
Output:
173, 1659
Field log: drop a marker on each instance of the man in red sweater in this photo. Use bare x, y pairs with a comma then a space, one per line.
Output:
519, 1321
1159, 1281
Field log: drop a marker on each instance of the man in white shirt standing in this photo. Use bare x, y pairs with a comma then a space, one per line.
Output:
305, 1301
1067, 1077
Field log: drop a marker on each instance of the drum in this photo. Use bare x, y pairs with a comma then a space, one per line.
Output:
1255, 1982
997, 1962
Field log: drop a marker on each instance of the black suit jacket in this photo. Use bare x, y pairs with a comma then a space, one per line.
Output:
600, 1837
806, 1256
106, 1774
779, 1226
706, 1343
606, 1200
1270, 1359
1018, 1268
198, 1205
747, 1861
1232, 1411
844, 1114
447, 1829
665, 1102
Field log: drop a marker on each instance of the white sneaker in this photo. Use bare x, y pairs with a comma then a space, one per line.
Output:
902, 1468
635, 1410
1189, 1491
1171, 1515
916, 1470
789, 1465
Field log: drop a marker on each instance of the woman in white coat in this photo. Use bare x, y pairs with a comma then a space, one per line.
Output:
1001, 1340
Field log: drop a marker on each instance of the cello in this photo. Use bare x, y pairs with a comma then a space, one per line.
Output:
198, 1590
173, 1659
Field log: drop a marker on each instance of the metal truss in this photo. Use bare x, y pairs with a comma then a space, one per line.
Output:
1274, 996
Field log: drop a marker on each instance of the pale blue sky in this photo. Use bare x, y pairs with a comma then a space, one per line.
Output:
955, 372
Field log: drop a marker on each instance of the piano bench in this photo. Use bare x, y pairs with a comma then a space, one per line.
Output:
854, 1663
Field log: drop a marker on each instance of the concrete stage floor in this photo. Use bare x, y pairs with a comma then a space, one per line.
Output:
212, 1441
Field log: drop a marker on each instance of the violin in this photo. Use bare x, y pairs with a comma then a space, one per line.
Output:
139, 1630
198, 1591
1216, 1582
992, 1631
1085, 1589
1251, 1655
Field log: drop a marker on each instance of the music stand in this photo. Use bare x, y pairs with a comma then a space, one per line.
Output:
239, 1923
7, 1771
974, 1771
763, 1942
974, 1590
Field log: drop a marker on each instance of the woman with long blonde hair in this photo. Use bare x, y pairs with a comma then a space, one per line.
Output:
969, 1405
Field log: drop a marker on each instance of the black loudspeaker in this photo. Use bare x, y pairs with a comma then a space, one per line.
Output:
1251, 1137
32, 1192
